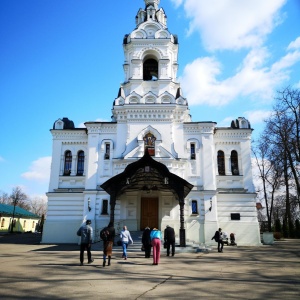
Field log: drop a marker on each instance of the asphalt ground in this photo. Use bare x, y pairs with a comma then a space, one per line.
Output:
30, 270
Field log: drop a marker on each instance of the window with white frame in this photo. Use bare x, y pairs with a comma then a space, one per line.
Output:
195, 207
80, 163
221, 162
107, 151
104, 207
234, 163
68, 163
193, 153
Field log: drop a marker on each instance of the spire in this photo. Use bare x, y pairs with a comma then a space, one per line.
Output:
154, 3
151, 13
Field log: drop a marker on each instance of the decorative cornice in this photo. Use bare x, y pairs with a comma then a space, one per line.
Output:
74, 142
227, 142
155, 114
63, 134
233, 134
204, 128
102, 128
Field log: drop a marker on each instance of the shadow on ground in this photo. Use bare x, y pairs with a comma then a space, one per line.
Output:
27, 238
30, 238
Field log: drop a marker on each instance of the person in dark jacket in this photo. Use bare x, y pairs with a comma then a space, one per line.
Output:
146, 241
108, 242
86, 234
218, 238
169, 238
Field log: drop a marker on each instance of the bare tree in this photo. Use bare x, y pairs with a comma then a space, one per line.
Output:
280, 208
287, 117
38, 206
269, 174
19, 198
278, 155
283, 134
4, 198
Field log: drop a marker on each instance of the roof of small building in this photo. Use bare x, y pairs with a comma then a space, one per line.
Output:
68, 124
19, 212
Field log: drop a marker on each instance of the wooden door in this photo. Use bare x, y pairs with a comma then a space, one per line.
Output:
149, 212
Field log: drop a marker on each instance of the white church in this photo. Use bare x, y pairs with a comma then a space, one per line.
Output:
152, 165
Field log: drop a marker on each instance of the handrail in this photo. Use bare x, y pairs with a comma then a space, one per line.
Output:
192, 224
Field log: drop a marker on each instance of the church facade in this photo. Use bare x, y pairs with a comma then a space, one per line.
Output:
151, 117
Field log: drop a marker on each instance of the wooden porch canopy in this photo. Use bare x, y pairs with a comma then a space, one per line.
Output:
144, 175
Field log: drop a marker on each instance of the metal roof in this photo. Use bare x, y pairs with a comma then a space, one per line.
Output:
6, 209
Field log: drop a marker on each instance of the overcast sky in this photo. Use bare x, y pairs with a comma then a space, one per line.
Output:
63, 58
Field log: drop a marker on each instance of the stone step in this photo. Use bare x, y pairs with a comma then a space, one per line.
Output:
191, 247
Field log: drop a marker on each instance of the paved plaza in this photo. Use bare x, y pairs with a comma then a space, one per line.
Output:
30, 270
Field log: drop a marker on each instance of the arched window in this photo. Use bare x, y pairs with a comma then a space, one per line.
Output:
193, 153
107, 151
150, 69
80, 163
221, 163
68, 163
234, 163
149, 141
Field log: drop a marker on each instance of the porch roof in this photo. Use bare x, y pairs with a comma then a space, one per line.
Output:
147, 174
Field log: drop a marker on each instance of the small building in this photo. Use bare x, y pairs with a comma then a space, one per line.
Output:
22, 219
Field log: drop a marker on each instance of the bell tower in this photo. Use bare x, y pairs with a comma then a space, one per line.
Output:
150, 66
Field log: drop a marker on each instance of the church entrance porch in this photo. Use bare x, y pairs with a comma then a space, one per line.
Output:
149, 213
145, 174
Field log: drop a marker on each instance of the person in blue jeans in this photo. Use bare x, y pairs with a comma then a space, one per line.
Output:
125, 238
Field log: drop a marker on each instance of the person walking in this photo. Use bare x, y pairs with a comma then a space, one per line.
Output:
86, 238
155, 236
218, 238
146, 240
169, 238
107, 234
125, 239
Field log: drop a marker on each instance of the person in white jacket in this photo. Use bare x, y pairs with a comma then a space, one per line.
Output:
125, 238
